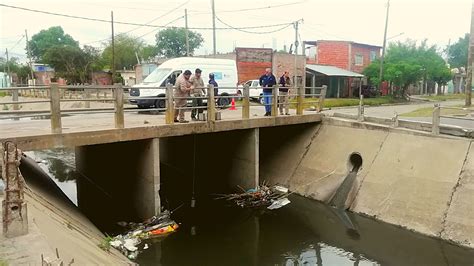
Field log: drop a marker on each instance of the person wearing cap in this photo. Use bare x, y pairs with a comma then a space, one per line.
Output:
197, 91
182, 90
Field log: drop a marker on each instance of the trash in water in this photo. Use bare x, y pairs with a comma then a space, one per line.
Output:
263, 196
157, 226
277, 204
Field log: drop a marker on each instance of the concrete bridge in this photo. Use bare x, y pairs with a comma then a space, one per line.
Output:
112, 143
412, 178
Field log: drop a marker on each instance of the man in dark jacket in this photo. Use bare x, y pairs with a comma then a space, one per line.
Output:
285, 83
213, 82
267, 81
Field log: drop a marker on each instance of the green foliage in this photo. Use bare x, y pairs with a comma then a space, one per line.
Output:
149, 52
105, 244
171, 42
73, 63
125, 47
457, 53
21, 70
46, 39
407, 63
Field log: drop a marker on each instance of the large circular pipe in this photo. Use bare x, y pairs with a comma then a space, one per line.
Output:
355, 161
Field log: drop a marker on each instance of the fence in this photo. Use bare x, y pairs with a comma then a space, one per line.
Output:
55, 95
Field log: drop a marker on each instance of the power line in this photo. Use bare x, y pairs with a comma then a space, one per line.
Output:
127, 23
251, 9
285, 25
22, 36
174, 20
147, 23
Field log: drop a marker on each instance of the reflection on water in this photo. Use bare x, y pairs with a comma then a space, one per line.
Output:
59, 164
305, 232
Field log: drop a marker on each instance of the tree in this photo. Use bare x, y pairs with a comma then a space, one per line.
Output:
457, 53
407, 63
46, 39
149, 52
21, 70
171, 42
73, 63
125, 47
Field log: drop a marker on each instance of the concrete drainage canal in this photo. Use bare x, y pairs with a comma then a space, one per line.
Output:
305, 232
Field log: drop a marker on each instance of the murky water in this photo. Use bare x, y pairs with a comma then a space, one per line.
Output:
305, 232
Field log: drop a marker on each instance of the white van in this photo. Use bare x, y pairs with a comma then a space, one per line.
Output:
225, 74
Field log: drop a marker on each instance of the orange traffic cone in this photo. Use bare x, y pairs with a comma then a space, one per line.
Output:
232, 105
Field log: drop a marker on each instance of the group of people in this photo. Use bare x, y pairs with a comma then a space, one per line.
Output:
267, 81
191, 85
188, 85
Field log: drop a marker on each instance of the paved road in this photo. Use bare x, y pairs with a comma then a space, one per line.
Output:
389, 111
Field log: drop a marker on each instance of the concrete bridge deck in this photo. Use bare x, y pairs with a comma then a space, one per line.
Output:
89, 129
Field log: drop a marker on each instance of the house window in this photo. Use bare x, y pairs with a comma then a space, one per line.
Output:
359, 60
373, 56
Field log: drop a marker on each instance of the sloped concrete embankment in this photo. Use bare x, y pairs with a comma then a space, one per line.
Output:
408, 178
58, 232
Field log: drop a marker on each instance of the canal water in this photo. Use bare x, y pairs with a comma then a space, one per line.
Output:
305, 232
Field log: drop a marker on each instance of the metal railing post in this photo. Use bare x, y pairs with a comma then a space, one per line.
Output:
299, 100
246, 103
275, 100
360, 114
436, 119
321, 98
54, 96
211, 104
15, 99
169, 113
118, 96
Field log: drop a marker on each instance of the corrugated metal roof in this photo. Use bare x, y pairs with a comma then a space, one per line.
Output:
333, 71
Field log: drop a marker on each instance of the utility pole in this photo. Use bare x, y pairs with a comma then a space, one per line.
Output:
213, 28
113, 45
28, 51
468, 88
295, 80
384, 45
187, 31
8, 68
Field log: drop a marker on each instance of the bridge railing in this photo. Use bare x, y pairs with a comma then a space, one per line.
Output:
235, 98
459, 113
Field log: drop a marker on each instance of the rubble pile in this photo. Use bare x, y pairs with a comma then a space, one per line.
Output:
264, 196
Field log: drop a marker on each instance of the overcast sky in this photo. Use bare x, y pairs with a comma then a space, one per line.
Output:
362, 21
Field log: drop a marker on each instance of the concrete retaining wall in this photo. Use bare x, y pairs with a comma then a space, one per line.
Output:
408, 178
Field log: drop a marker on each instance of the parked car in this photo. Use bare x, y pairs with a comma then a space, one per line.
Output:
367, 90
255, 90
225, 73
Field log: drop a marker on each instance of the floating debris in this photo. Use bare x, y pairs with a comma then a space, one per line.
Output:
264, 196
157, 226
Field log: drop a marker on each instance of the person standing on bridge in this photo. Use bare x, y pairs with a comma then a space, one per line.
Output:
197, 92
182, 90
285, 83
267, 81
213, 82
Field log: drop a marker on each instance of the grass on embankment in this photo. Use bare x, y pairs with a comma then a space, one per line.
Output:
445, 97
342, 102
428, 112
3, 93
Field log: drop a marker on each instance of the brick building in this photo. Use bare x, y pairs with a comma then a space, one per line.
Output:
347, 55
